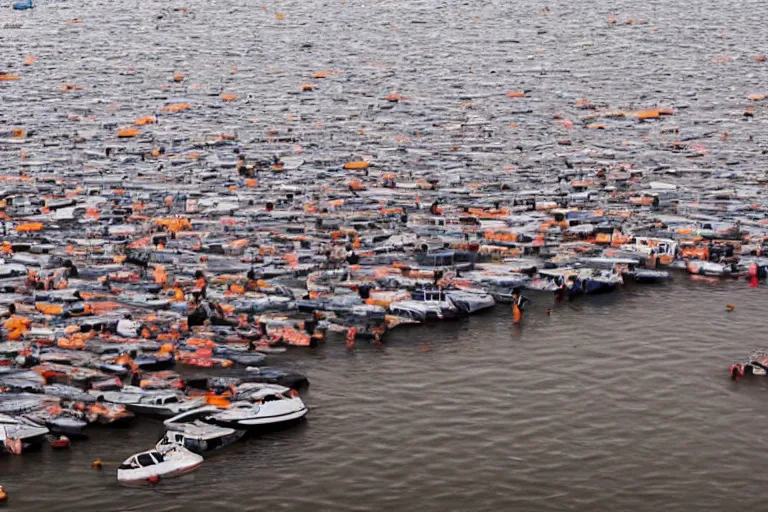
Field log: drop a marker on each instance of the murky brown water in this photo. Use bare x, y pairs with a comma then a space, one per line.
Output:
618, 402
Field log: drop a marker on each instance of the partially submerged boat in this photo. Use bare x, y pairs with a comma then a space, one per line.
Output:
151, 466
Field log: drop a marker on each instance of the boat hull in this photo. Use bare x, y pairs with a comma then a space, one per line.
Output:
263, 422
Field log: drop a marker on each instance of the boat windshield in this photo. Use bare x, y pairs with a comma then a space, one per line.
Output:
145, 459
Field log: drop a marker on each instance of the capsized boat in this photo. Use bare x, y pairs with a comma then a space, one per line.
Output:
150, 466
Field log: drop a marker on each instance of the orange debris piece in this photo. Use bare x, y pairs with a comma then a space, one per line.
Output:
174, 224
125, 133
647, 114
516, 94
359, 165
29, 227
176, 107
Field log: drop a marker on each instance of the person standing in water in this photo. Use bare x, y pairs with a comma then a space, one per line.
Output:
518, 305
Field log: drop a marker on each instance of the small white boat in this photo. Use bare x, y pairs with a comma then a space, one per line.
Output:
151, 466
191, 430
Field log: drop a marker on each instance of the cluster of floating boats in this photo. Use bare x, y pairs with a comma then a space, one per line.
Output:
166, 269
109, 292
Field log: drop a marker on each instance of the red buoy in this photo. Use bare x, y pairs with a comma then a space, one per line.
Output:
61, 442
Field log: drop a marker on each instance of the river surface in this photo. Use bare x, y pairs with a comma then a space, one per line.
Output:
614, 402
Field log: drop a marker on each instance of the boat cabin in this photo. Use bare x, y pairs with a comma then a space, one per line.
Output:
143, 460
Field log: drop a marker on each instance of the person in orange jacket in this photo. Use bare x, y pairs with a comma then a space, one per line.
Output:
518, 305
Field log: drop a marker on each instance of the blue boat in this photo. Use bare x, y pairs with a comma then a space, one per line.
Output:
22, 5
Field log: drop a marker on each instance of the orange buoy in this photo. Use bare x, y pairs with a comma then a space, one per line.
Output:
3, 495
97, 464
730, 307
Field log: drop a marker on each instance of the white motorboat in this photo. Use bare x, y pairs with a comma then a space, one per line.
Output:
190, 430
260, 405
151, 402
150, 466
